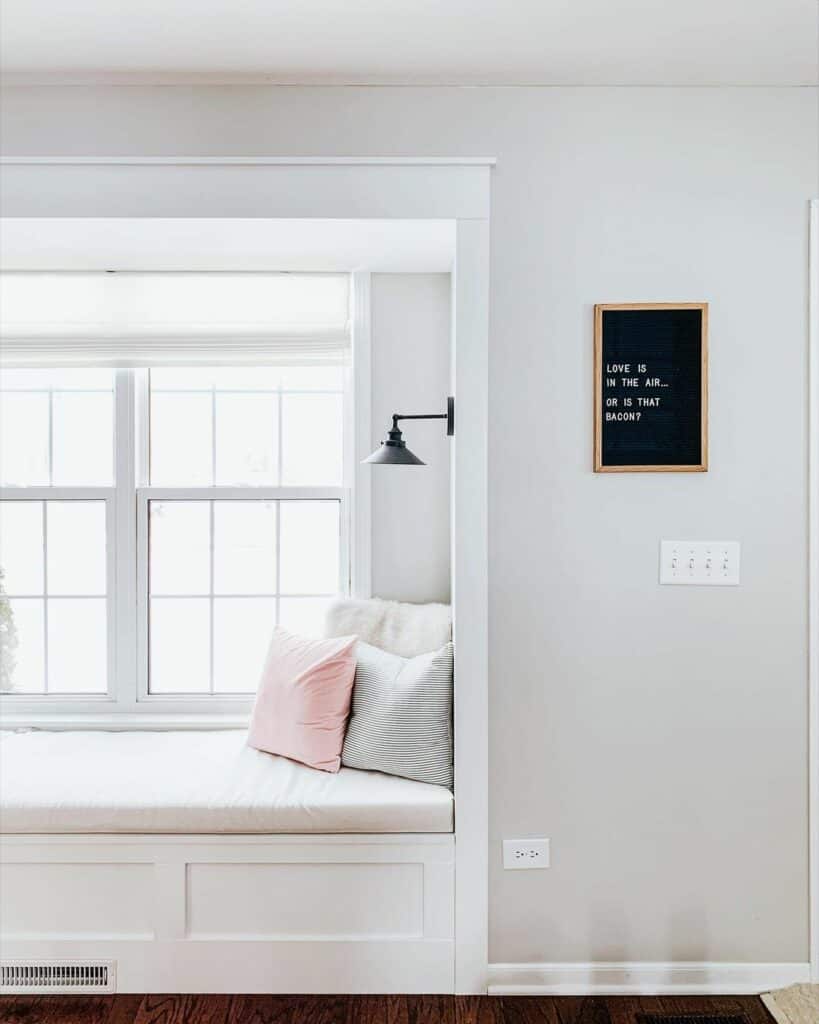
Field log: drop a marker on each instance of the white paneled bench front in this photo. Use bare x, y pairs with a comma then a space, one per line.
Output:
188, 862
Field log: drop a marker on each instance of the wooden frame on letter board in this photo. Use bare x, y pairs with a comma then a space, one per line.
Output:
599, 467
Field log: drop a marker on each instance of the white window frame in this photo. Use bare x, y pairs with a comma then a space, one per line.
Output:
128, 704
45, 495
12, 704
220, 703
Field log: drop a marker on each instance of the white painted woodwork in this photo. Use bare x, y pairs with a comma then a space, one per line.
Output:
358, 424
260, 189
68, 901
458, 190
643, 978
330, 901
470, 355
236, 913
193, 243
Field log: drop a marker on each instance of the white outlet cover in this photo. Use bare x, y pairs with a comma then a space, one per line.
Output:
525, 854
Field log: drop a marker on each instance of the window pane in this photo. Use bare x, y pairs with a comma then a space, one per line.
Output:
76, 547
247, 378
83, 438
181, 439
21, 547
225, 378
304, 615
25, 379
245, 547
83, 379
179, 547
77, 648
182, 378
309, 549
246, 439
180, 645
312, 378
219, 426
225, 421
312, 440
59, 378
242, 630
22, 654
77, 629
23, 438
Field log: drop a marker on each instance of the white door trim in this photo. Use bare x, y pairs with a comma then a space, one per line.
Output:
455, 189
470, 375
813, 585
356, 188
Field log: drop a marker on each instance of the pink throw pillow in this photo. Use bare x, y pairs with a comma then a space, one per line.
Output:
303, 701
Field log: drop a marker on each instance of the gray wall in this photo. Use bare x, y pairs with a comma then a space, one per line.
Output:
410, 373
657, 735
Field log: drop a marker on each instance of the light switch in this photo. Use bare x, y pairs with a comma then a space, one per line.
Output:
712, 563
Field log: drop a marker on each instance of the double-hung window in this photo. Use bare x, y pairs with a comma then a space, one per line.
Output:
175, 481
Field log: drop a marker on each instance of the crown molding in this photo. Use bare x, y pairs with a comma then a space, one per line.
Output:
257, 161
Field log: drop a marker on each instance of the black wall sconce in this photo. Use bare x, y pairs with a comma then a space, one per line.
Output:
394, 451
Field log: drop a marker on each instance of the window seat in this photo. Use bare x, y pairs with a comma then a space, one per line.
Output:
196, 782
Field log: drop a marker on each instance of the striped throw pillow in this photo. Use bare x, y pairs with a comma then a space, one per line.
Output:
401, 721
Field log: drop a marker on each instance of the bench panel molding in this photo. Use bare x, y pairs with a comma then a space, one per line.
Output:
74, 900
239, 912
281, 901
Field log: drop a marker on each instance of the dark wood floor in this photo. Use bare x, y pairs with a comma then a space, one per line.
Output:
128, 1009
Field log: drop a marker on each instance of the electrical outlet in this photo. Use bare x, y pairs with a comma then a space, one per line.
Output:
521, 854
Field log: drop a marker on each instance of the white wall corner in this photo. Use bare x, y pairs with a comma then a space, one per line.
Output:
635, 978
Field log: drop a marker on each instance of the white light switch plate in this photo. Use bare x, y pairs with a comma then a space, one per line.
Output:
523, 854
713, 563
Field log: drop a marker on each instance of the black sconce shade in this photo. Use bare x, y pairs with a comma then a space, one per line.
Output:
394, 451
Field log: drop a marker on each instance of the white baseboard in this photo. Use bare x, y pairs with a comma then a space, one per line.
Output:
649, 978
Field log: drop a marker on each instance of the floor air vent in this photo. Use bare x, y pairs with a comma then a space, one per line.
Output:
691, 1018
57, 976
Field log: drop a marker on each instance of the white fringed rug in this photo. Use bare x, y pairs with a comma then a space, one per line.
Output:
797, 1004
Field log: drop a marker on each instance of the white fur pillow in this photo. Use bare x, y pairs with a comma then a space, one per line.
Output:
404, 629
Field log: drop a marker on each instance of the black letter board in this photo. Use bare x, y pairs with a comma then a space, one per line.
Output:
651, 387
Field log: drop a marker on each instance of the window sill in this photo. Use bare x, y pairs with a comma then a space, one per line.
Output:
124, 721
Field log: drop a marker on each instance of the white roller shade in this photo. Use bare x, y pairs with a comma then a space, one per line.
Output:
155, 319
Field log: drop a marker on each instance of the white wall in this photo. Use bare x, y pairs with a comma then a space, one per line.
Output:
657, 735
410, 373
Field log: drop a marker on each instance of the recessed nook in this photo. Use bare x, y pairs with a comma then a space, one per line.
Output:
361, 219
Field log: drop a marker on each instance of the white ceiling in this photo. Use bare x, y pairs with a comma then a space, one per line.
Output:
578, 42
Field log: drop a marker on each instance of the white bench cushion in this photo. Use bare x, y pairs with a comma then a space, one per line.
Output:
196, 782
